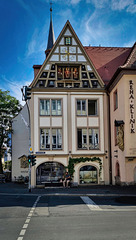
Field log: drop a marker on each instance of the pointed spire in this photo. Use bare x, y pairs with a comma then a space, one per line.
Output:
51, 37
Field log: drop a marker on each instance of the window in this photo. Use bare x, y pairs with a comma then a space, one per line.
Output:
81, 107
68, 72
93, 138
92, 107
56, 138
56, 108
82, 138
115, 96
45, 138
68, 40
88, 138
51, 139
44, 107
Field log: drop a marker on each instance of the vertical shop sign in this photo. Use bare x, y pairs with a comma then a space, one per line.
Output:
131, 106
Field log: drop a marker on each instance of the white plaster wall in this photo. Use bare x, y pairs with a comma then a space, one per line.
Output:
81, 122
93, 122
56, 121
44, 121
100, 122
43, 159
20, 142
95, 164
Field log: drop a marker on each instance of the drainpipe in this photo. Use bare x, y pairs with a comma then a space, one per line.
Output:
110, 155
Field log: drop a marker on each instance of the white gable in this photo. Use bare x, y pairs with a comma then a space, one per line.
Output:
68, 55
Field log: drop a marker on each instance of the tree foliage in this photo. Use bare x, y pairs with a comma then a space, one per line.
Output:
9, 108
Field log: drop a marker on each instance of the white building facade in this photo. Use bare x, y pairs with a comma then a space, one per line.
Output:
69, 116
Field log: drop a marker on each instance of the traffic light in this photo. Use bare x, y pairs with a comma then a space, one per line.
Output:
27, 93
29, 158
33, 160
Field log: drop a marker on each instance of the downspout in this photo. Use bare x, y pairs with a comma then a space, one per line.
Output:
110, 155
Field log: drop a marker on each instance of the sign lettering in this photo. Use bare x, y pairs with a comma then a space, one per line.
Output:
131, 106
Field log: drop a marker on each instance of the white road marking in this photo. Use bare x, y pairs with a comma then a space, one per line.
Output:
25, 225
23, 231
91, 204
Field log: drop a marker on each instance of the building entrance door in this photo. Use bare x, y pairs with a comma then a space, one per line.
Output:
49, 172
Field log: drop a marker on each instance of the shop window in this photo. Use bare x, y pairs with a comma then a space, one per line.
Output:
88, 174
92, 107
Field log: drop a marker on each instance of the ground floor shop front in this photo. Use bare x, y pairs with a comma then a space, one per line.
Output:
85, 171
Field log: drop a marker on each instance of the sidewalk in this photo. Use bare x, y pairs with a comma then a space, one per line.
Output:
15, 188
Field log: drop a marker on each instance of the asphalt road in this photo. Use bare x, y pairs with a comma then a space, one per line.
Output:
25, 217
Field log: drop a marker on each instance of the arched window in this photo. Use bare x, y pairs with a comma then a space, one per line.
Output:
49, 172
88, 174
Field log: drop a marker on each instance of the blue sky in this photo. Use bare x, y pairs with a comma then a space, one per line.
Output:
25, 24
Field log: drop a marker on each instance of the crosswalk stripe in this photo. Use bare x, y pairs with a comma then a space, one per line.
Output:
91, 204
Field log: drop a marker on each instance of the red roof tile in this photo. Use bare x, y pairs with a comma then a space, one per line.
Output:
107, 60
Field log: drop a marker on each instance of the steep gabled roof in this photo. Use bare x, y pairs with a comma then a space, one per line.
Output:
107, 60
54, 48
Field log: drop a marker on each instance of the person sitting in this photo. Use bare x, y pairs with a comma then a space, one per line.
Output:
66, 180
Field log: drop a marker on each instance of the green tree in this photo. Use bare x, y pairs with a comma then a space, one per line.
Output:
9, 108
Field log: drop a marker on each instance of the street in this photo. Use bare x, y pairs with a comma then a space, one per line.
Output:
60, 217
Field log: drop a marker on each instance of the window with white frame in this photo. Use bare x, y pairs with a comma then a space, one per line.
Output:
92, 107
88, 138
50, 107
45, 107
51, 138
56, 138
81, 107
56, 107
82, 138
93, 138
45, 138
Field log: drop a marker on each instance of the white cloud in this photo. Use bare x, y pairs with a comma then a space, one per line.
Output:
121, 4
24, 5
99, 3
129, 5
129, 44
132, 8
14, 87
75, 1
32, 44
